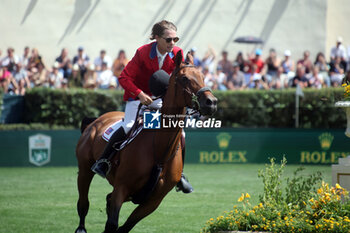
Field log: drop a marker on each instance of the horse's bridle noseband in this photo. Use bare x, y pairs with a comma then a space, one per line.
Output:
194, 97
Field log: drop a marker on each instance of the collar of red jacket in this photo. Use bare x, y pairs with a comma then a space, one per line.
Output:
153, 53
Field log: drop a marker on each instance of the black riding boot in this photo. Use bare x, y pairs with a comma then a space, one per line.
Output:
103, 165
184, 185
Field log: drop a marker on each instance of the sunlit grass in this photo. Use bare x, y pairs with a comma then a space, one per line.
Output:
44, 199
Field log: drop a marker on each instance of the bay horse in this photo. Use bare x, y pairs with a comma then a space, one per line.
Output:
132, 166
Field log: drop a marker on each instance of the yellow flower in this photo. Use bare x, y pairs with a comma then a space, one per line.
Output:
241, 198
344, 85
338, 186
247, 195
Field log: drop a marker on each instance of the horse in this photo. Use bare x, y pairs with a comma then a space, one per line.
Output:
133, 165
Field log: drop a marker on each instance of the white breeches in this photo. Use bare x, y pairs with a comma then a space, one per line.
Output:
131, 110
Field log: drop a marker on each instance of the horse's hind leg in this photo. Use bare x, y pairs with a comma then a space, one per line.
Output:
85, 176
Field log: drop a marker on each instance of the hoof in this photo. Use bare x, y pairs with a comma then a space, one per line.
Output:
80, 230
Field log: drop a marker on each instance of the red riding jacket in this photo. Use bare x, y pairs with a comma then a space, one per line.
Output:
135, 76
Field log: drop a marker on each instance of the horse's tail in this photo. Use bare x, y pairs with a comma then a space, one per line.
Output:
85, 122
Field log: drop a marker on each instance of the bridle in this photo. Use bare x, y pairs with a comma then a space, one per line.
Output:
194, 96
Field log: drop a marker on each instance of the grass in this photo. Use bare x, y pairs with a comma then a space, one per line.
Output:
35, 200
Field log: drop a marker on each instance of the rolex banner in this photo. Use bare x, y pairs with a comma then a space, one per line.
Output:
299, 146
204, 146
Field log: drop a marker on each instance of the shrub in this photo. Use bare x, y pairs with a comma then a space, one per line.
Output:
321, 209
62, 107
248, 108
276, 108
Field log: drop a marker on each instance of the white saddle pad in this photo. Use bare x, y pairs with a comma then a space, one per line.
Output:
110, 130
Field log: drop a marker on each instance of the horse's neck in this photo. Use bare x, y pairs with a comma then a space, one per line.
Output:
167, 139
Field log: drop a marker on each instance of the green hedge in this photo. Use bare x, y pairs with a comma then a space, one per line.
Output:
260, 108
248, 108
68, 107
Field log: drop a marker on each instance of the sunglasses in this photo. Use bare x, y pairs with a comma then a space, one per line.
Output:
168, 40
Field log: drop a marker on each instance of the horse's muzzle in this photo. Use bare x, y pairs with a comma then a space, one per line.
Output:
208, 105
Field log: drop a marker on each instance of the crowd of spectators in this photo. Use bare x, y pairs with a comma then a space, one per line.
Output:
18, 73
254, 72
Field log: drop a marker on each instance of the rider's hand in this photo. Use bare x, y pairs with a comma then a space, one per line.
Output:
144, 98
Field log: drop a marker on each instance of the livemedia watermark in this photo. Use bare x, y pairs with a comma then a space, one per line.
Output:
157, 120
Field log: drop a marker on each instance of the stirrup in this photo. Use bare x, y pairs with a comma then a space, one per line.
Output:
99, 162
184, 185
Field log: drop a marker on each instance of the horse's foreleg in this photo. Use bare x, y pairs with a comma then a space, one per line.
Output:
114, 203
84, 180
140, 212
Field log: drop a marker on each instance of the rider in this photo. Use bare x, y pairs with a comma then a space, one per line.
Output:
134, 78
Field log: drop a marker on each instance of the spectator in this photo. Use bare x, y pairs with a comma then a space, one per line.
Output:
22, 79
288, 64
236, 79
209, 79
339, 51
278, 81
102, 58
113, 84
306, 62
256, 60
82, 60
272, 63
24, 60
336, 71
243, 66
65, 65
119, 63
220, 78
105, 77
38, 76
35, 60
5, 78
75, 80
11, 60
56, 77
208, 60
90, 77
224, 63
315, 79
299, 78
323, 67
196, 60
255, 79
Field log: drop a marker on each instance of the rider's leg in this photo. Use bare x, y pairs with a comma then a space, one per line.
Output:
102, 165
184, 185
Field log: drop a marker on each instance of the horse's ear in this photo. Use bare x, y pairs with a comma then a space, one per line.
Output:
178, 59
189, 58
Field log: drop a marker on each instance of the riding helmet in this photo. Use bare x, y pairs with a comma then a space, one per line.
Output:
158, 83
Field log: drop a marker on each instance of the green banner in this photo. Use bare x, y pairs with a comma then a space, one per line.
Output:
205, 146
299, 146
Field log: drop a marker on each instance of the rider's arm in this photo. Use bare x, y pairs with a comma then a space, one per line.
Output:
128, 75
